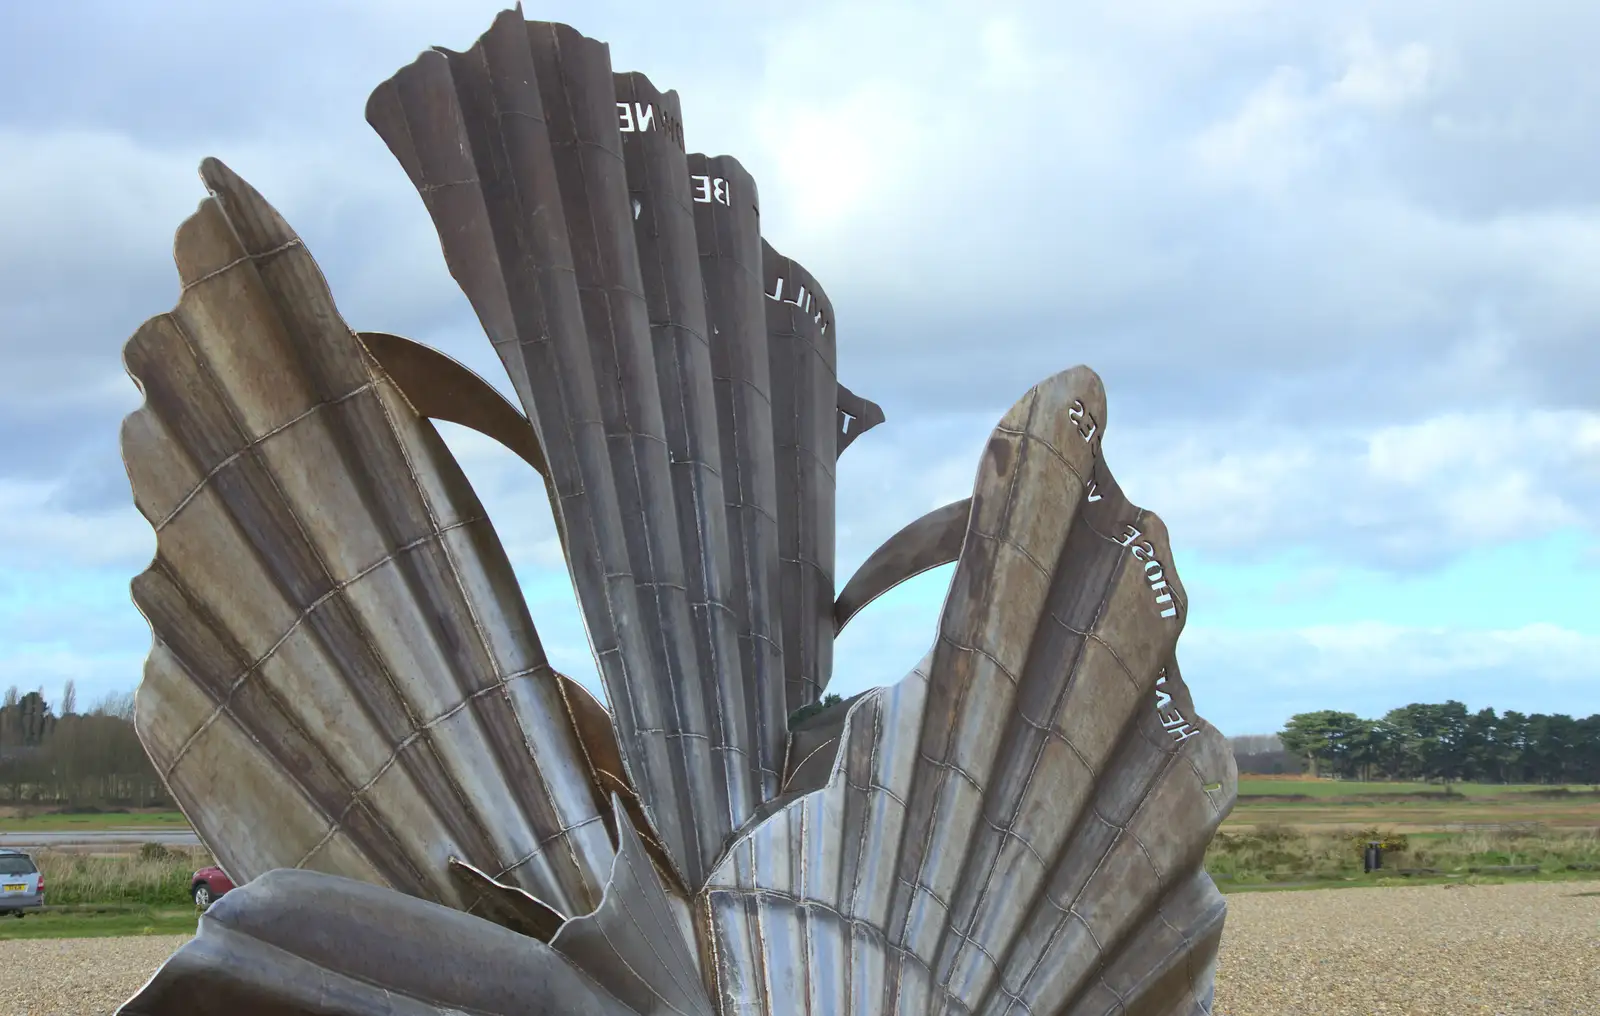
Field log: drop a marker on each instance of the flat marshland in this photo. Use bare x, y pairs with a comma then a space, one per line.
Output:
1480, 905
1479, 908
1301, 831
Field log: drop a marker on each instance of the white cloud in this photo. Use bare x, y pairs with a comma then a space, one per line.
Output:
1268, 141
1393, 496
47, 202
1284, 127
1384, 79
36, 532
1374, 655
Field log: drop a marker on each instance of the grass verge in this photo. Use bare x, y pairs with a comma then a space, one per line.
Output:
1381, 881
1308, 788
1271, 855
100, 922
156, 876
148, 894
1284, 834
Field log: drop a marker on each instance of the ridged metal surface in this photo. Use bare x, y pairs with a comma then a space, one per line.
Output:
301, 942
1018, 826
345, 677
802, 344
306, 942
637, 944
681, 376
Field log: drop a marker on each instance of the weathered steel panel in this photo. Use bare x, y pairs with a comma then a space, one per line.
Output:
802, 344
747, 739
1028, 811
590, 334
633, 944
728, 240
344, 676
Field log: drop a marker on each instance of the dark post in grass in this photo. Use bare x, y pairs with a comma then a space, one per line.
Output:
1374, 856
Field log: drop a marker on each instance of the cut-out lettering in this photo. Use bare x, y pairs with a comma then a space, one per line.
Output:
1088, 426
805, 302
1155, 573
710, 188
635, 117
1172, 720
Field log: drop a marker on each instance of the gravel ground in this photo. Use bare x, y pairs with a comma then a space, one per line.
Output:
1454, 950
1434, 951
78, 976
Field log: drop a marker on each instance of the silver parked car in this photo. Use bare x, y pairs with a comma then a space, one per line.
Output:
21, 883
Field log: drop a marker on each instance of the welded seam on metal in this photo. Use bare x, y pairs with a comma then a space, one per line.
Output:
491, 666
247, 197
251, 444
232, 410
236, 262
1058, 701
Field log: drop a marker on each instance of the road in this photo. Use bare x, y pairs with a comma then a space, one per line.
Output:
100, 837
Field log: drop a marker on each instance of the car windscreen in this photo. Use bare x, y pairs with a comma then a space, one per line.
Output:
14, 865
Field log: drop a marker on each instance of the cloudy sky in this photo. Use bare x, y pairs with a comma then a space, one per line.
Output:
1338, 264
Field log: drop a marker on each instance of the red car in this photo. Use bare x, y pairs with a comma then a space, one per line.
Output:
209, 883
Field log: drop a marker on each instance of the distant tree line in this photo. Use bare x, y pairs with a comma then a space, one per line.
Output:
67, 758
1445, 742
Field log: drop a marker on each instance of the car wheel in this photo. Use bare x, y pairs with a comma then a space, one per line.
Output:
202, 896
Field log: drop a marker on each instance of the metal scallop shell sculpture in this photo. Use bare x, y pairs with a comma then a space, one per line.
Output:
348, 698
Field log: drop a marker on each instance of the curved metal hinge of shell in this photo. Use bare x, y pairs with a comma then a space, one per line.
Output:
302, 943
1019, 826
344, 676
681, 376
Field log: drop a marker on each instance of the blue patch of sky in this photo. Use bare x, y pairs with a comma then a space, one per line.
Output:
47, 615
1506, 586
70, 623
